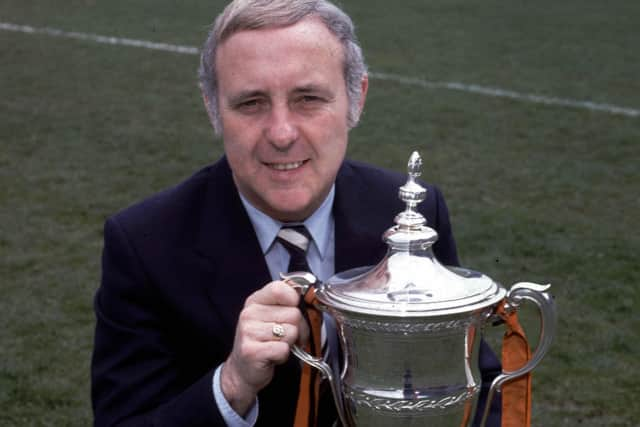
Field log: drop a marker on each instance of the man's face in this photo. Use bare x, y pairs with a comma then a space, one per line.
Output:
283, 108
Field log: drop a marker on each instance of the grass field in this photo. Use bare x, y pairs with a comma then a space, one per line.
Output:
537, 192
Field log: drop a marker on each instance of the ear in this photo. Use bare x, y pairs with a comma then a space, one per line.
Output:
365, 87
205, 100
212, 119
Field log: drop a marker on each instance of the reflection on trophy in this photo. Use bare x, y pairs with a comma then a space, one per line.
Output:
410, 329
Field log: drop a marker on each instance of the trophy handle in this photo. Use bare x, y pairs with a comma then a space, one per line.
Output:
544, 301
327, 373
302, 281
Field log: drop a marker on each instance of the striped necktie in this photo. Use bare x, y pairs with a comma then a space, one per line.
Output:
295, 240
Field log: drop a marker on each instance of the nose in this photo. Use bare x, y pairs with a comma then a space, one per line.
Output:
281, 129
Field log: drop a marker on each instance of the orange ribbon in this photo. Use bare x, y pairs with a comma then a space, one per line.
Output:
516, 393
309, 394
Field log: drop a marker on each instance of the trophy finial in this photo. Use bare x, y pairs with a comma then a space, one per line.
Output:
412, 194
411, 232
414, 167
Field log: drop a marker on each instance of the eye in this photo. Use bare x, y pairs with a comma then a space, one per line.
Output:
251, 105
310, 98
309, 101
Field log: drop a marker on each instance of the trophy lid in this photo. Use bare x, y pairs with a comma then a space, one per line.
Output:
410, 281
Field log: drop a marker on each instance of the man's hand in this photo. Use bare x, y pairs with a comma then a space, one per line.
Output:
256, 348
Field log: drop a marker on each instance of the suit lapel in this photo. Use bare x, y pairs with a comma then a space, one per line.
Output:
227, 240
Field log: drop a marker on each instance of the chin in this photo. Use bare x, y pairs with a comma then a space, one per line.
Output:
291, 215
291, 212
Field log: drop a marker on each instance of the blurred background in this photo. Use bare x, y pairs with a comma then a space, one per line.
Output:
527, 115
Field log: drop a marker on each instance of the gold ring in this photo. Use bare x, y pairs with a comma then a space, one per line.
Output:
278, 330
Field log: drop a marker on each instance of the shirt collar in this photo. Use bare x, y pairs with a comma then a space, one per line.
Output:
318, 224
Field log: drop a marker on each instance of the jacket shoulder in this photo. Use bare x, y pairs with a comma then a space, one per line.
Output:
175, 211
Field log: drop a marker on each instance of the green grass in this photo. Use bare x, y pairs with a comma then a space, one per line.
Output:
536, 193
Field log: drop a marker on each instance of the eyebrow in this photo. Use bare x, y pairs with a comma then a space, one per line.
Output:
313, 88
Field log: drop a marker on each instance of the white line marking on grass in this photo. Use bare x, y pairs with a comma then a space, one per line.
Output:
503, 93
411, 81
189, 50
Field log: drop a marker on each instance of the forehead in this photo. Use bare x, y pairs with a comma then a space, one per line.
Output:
309, 28
307, 47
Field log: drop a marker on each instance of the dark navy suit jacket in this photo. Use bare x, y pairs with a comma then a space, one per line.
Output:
176, 271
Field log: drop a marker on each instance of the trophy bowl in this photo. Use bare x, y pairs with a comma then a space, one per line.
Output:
410, 329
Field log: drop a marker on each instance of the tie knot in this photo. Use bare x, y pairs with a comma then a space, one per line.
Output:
294, 238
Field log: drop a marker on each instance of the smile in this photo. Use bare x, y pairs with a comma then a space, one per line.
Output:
285, 166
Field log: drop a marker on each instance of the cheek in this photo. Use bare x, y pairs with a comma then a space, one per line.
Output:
238, 155
335, 142
237, 139
231, 149
332, 131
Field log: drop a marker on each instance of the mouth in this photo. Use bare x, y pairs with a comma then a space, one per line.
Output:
286, 166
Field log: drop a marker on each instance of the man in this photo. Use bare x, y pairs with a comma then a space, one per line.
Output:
193, 327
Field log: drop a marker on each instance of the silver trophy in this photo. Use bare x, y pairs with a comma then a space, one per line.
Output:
410, 329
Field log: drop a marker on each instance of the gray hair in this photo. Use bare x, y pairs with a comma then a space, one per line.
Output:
242, 15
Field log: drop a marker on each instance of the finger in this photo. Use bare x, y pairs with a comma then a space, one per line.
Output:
263, 354
259, 332
275, 293
272, 313
289, 334
297, 328
278, 332
276, 352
